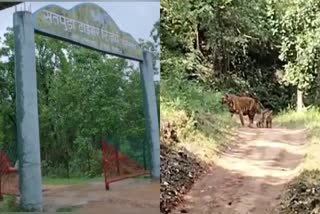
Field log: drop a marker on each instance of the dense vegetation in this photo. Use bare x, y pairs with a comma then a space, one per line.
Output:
83, 96
265, 48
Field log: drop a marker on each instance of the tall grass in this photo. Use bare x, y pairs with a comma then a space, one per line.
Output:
309, 119
202, 121
9, 204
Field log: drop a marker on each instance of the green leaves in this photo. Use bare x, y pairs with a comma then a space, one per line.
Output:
230, 45
83, 95
299, 32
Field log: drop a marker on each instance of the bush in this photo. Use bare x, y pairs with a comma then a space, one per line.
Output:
9, 204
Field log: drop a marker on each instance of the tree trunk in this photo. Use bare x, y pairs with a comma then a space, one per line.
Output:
197, 37
144, 155
117, 155
300, 104
317, 94
88, 158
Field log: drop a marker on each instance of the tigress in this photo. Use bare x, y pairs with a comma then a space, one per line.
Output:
228, 99
242, 106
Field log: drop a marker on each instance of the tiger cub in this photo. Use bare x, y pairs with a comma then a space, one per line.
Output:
266, 118
269, 119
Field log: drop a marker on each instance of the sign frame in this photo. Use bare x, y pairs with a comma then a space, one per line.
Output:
30, 179
58, 14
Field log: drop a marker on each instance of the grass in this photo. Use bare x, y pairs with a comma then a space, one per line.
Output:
67, 181
9, 204
310, 175
203, 124
84, 180
208, 138
68, 209
309, 119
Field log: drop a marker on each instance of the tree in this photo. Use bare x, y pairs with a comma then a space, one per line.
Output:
224, 45
300, 31
83, 95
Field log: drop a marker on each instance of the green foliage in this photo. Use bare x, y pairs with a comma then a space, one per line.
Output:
201, 122
83, 96
69, 181
68, 209
309, 118
9, 204
190, 97
299, 32
225, 45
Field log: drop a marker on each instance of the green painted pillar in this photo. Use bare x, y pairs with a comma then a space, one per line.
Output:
27, 113
150, 103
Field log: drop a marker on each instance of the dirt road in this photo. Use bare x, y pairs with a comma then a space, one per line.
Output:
131, 196
249, 176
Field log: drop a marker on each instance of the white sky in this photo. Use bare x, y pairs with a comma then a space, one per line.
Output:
135, 18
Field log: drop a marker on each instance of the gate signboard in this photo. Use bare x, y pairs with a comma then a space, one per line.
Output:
87, 25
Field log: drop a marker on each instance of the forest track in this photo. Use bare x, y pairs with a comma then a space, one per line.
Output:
250, 176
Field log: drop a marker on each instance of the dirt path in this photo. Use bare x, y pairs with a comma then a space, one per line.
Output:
249, 177
131, 196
